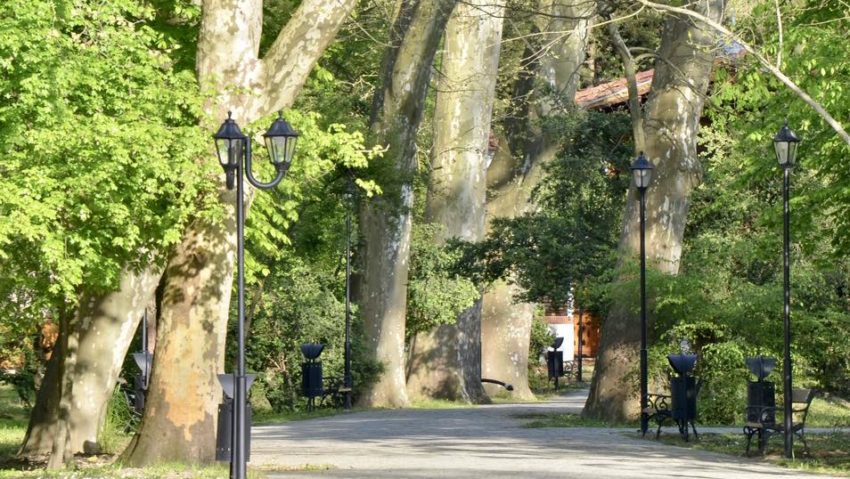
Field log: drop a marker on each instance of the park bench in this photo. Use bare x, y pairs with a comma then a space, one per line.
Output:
761, 420
333, 394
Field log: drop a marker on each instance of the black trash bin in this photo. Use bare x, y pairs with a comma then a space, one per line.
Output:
224, 427
224, 431
761, 394
311, 373
683, 389
555, 361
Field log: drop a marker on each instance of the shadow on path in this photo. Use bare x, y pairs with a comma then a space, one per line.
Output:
483, 442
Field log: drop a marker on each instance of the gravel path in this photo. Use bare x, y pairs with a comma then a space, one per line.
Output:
482, 442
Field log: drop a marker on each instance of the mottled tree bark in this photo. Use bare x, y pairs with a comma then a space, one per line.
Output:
179, 419
385, 221
518, 167
82, 374
671, 123
447, 362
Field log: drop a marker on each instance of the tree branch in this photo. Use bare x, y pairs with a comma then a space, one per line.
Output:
296, 51
631, 80
762, 60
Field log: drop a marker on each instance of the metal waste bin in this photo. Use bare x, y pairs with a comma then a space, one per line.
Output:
224, 431
555, 361
224, 427
761, 394
311, 373
683, 389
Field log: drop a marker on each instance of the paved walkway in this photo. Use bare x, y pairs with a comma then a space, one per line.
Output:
482, 442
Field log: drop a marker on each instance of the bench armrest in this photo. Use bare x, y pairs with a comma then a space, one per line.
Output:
762, 412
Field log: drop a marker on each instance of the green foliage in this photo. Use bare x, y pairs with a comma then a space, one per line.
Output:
569, 242
324, 159
727, 299
751, 105
119, 421
540, 339
435, 295
295, 262
297, 305
99, 139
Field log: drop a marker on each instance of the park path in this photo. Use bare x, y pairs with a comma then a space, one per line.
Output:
482, 442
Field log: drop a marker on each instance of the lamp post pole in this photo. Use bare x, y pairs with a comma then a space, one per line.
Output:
785, 143
644, 359
580, 341
642, 173
240, 459
347, 380
786, 266
235, 156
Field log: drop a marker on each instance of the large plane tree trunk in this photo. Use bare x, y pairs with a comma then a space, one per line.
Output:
385, 221
81, 375
548, 89
179, 419
447, 362
671, 123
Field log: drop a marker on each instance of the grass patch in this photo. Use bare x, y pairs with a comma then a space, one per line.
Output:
509, 400
301, 468
829, 453
439, 404
13, 422
829, 411
268, 417
537, 420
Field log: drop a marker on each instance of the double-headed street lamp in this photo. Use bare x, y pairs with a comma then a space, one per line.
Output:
642, 173
234, 154
785, 143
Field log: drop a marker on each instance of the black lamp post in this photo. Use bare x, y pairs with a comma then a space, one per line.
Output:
580, 344
642, 172
785, 143
347, 380
234, 154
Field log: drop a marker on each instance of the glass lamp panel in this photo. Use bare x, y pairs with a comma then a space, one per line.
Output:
645, 177
235, 151
782, 151
642, 177
222, 148
792, 153
270, 146
277, 148
289, 149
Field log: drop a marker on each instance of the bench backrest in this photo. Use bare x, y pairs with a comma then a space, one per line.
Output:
801, 399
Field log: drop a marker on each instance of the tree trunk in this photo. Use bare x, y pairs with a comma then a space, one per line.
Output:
386, 220
106, 329
671, 124
100, 335
184, 392
506, 326
60, 452
447, 362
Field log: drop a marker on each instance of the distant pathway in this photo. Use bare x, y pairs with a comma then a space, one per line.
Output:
483, 442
